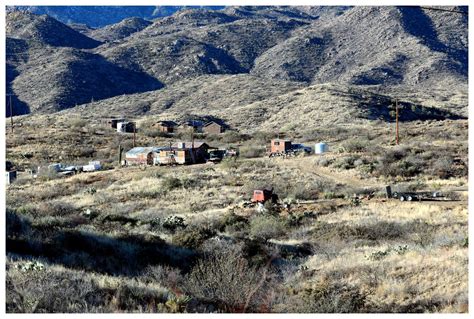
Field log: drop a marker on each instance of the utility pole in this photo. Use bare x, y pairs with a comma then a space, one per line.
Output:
120, 150
11, 109
134, 132
396, 116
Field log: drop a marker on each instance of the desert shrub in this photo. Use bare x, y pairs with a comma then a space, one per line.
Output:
325, 296
233, 137
47, 175
232, 223
55, 208
78, 123
135, 298
262, 137
193, 237
50, 222
153, 133
304, 191
82, 151
443, 167
394, 154
324, 162
266, 227
47, 292
172, 223
355, 146
52, 191
399, 162
252, 151
225, 279
164, 275
379, 231
346, 162
16, 224
170, 183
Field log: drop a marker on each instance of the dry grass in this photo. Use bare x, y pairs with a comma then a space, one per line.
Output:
329, 255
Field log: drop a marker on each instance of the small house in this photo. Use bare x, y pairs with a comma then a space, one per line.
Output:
214, 128
142, 155
280, 146
125, 127
166, 126
11, 176
112, 121
92, 166
194, 125
184, 153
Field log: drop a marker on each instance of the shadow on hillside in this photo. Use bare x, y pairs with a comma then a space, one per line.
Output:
93, 77
19, 107
125, 256
377, 108
420, 25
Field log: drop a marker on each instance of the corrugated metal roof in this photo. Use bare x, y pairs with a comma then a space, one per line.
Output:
188, 144
142, 150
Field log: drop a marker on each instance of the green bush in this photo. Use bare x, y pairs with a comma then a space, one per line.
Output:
172, 223
355, 146
170, 183
346, 162
267, 226
252, 151
193, 238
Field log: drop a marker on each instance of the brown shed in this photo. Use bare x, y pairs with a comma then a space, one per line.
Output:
166, 126
213, 128
195, 125
280, 146
141, 155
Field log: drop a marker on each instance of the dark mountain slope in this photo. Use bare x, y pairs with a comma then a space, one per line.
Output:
172, 58
119, 30
54, 79
227, 48
100, 16
402, 48
44, 29
375, 45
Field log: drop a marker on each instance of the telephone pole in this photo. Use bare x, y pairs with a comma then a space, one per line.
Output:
11, 109
396, 116
134, 133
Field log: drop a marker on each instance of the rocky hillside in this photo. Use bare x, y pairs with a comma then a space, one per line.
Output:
100, 16
44, 29
119, 30
395, 50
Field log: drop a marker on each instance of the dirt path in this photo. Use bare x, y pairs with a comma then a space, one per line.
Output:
306, 164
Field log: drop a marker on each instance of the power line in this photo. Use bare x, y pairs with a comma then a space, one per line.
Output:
445, 10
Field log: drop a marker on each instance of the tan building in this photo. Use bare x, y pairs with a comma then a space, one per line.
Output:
213, 128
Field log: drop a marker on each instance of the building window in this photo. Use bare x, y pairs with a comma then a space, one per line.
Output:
276, 143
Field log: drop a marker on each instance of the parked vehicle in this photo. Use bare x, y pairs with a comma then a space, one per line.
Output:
301, 148
412, 196
215, 156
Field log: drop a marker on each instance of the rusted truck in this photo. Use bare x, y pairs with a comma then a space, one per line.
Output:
280, 147
264, 194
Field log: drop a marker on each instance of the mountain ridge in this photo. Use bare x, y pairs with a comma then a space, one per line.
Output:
357, 46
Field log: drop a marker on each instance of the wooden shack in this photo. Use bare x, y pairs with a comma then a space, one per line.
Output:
112, 121
142, 155
194, 125
10, 177
184, 153
280, 146
166, 126
213, 128
125, 127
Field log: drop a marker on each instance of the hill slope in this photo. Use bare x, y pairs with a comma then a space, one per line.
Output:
379, 45
393, 48
44, 29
